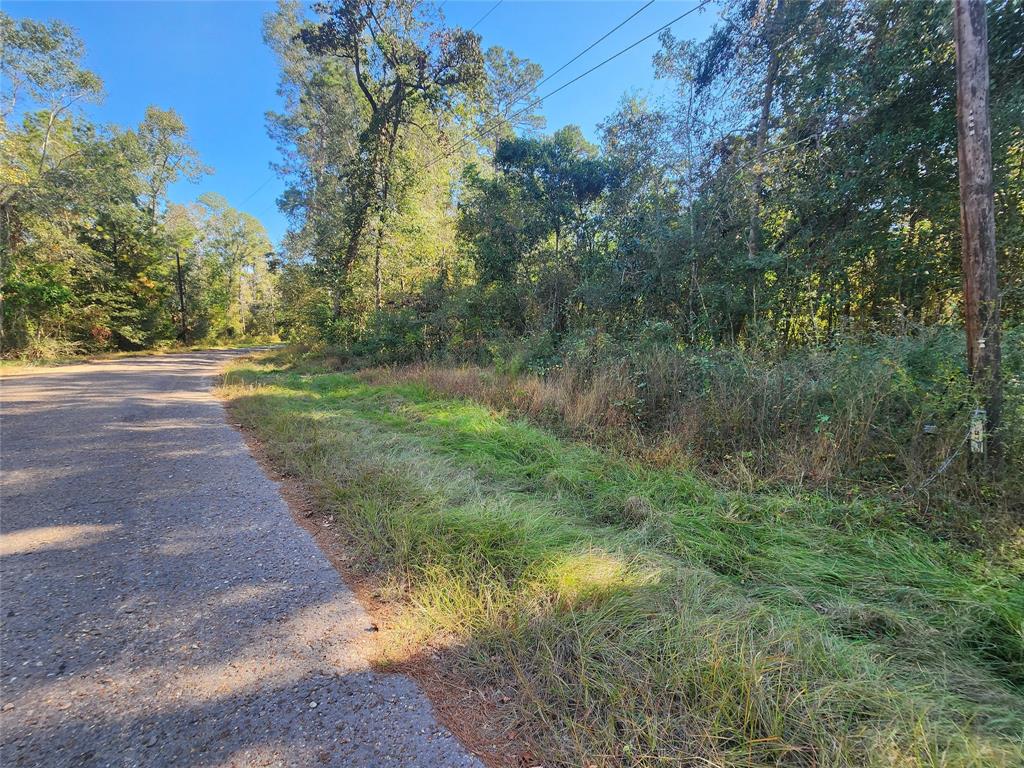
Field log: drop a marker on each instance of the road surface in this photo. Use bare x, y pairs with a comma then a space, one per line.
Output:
159, 604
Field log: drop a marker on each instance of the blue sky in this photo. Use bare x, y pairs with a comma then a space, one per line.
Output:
207, 61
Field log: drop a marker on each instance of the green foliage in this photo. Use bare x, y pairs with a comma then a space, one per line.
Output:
882, 415
402, 66
392, 336
128, 282
41, 63
510, 87
89, 253
637, 613
781, 298
163, 155
858, 212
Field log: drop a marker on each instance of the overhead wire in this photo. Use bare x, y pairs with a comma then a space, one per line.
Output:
574, 59
485, 131
489, 12
261, 186
601, 39
488, 127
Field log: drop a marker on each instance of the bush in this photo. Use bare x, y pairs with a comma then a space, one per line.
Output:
392, 336
889, 410
885, 412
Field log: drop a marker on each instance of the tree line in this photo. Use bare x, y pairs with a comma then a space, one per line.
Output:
94, 256
800, 181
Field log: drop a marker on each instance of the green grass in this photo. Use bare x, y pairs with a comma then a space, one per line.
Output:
643, 617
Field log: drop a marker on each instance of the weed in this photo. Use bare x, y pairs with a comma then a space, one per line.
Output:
642, 616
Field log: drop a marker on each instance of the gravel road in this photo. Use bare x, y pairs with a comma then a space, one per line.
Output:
159, 604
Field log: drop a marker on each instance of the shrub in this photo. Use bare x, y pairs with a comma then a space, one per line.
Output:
392, 336
885, 411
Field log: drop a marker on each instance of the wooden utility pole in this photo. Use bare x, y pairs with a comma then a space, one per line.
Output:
977, 213
181, 297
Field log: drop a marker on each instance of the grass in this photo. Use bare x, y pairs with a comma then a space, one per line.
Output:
639, 616
867, 413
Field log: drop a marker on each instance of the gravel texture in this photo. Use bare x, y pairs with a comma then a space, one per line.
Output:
159, 604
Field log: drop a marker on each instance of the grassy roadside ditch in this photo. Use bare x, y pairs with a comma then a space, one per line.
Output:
639, 616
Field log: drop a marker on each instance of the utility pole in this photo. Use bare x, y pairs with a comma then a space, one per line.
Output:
181, 297
977, 216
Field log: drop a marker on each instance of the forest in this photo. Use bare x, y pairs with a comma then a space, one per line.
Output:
800, 184
763, 266
670, 438
94, 256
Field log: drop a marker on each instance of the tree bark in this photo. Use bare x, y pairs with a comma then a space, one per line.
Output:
181, 297
385, 194
757, 188
977, 212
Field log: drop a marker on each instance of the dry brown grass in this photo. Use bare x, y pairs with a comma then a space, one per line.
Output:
584, 406
743, 433
818, 420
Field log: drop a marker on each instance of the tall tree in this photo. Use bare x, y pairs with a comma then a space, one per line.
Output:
42, 61
400, 63
42, 80
317, 134
511, 83
165, 155
226, 268
772, 43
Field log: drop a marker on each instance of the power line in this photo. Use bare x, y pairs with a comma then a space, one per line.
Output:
486, 129
489, 12
602, 38
489, 123
484, 132
261, 186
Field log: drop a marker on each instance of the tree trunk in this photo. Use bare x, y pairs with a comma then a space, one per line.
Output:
46, 140
355, 228
386, 172
181, 297
977, 213
335, 302
757, 188
378, 271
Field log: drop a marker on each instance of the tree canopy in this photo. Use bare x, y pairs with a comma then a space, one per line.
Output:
800, 181
90, 242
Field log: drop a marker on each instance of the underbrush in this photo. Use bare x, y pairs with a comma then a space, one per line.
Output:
42, 349
890, 415
641, 616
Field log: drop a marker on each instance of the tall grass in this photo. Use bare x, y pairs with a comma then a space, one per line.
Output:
884, 414
642, 616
